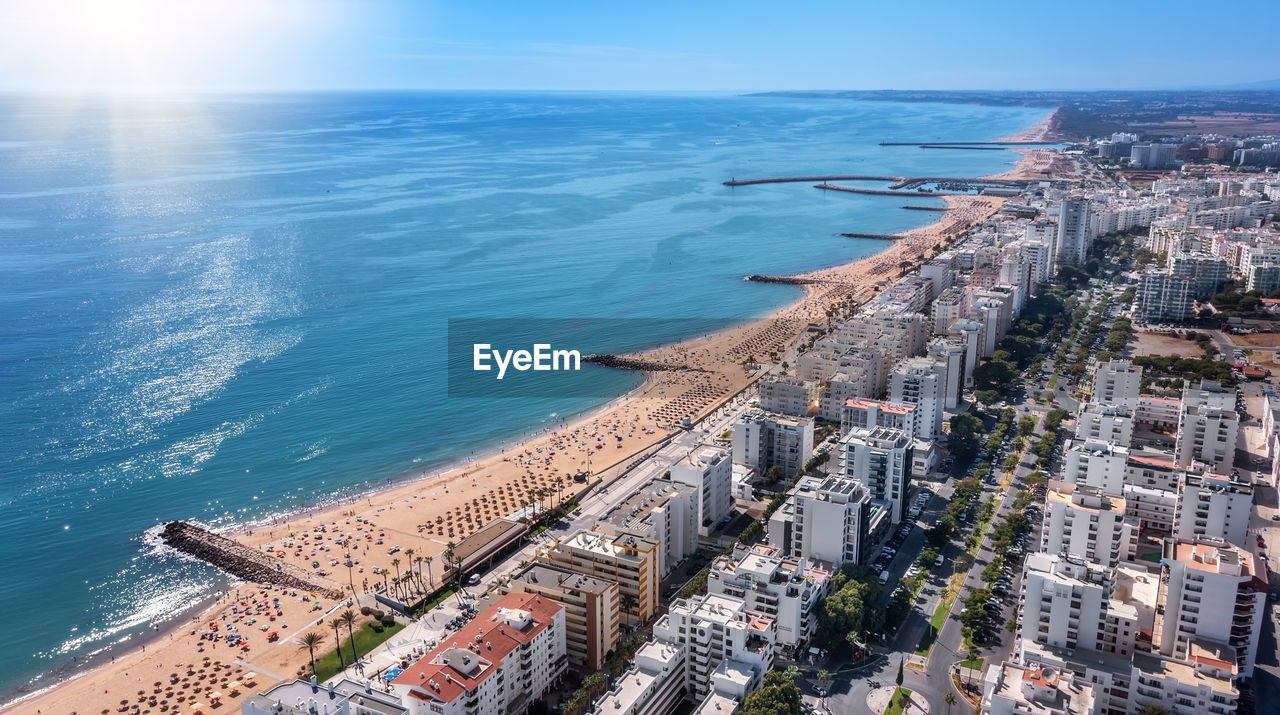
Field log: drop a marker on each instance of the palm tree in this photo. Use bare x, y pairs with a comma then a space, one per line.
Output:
337, 638
427, 561
396, 563
628, 603
310, 640
449, 562
409, 554
949, 699
418, 569
349, 617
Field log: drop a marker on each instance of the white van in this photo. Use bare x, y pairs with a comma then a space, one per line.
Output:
884, 577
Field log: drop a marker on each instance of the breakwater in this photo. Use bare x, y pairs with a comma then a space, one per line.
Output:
938, 142
243, 562
785, 280
876, 236
626, 363
793, 179
886, 192
939, 209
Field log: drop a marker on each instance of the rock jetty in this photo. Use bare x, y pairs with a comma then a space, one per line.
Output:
243, 562
626, 363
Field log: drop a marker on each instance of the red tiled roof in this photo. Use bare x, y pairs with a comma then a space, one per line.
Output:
486, 638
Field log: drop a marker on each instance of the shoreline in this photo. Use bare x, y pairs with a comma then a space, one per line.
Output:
633, 423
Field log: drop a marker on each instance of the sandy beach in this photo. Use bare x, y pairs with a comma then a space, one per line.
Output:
409, 525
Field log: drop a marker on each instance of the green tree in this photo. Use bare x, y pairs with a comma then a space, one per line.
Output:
779, 695
901, 665
349, 617
1153, 709
337, 638
963, 440
949, 699
310, 640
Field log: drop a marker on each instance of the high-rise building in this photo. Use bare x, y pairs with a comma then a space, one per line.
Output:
863, 413
1201, 681
787, 395
628, 560
1100, 465
921, 383
664, 512
709, 470
1207, 434
1087, 523
1213, 591
1099, 422
1117, 382
763, 440
1075, 236
824, 520
590, 605
728, 647
788, 588
1214, 506
500, 662
880, 460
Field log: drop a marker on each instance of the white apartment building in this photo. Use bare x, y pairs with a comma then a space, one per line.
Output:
787, 395
664, 512
951, 305
1117, 382
1034, 689
1100, 465
1153, 471
653, 685
709, 470
844, 385
1207, 434
1064, 602
1213, 591
972, 334
863, 413
1087, 523
825, 520
1164, 296
1214, 506
762, 440
1153, 509
1075, 236
1201, 682
500, 662
880, 460
1098, 422
728, 648
921, 382
787, 588
950, 353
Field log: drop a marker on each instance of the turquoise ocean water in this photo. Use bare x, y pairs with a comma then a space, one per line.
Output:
226, 308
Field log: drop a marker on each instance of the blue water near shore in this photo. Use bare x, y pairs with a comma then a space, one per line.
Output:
226, 308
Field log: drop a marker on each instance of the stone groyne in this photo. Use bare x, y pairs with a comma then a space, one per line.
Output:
243, 562
626, 363
786, 280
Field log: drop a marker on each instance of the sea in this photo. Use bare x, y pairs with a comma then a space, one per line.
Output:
227, 308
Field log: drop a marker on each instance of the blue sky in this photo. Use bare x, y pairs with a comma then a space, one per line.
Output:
547, 44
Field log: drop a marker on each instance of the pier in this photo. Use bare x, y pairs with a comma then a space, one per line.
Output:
939, 142
243, 562
885, 192
796, 179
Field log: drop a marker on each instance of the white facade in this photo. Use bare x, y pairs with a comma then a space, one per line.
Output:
1213, 506
726, 645
499, 663
787, 395
880, 460
860, 413
1033, 689
1099, 422
762, 440
921, 382
1089, 524
1075, 236
1207, 434
1213, 591
823, 520
1117, 382
785, 587
709, 470
1100, 465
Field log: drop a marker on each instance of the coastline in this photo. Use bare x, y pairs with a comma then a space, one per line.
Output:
621, 429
